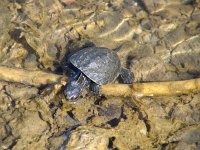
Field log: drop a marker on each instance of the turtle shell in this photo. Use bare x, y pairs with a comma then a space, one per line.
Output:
101, 65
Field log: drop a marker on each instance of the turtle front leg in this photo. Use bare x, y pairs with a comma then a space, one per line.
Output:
126, 76
94, 89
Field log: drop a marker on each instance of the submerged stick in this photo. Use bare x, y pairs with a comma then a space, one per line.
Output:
38, 78
152, 88
35, 78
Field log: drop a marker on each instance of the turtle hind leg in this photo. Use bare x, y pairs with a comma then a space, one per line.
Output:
126, 76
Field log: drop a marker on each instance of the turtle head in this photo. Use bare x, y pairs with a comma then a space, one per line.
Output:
72, 90
75, 87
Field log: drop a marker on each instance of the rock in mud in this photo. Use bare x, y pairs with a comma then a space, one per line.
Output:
29, 128
89, 138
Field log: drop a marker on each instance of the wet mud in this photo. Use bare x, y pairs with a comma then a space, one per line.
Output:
156, 40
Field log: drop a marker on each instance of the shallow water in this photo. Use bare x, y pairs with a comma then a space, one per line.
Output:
157, 41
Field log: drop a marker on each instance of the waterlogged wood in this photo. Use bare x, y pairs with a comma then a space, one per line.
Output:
116, 89
152, 88
166, 88
38, 78
35, 78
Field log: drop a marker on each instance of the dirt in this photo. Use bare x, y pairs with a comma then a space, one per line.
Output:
156, 40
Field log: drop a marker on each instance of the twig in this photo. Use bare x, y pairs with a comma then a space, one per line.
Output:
152, 88
35, 78
38, 78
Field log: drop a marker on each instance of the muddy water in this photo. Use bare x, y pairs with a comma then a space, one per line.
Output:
156, 40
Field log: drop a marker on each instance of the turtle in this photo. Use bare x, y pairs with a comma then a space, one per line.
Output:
92, 67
